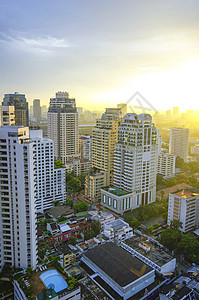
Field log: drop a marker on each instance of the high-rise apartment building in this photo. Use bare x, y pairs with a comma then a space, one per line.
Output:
18, 230
123, 107
85, 143
37, 109
184, 206
166, 164
63, 126
135, 165
179, 141
21, 107
50, 182
7, 115
104, 136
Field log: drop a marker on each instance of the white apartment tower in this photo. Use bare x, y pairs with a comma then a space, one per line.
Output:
18, 239
63, 126
179, 141
135, 165
166, 164
85, 143
50, 182
184, 206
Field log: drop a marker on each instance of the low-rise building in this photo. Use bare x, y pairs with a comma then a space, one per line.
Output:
115, 270
78, 166
118, 230
184, 206
151, 253
195, 149
67, 257
103, 217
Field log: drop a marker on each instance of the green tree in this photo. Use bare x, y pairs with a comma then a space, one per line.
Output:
81, 206
72, 240
58, 164
171, 182
175, 224
150, 229
96, 227
170, 238
132, 221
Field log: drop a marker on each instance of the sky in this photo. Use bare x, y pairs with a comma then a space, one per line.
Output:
101, 51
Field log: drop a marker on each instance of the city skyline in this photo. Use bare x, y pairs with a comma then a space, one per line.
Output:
101, 52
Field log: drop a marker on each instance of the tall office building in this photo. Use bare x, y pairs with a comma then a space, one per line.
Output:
135, 165
18, 230
104, 136
123, 107
7, 115
37, 109
21, 107
179, 142
63, 126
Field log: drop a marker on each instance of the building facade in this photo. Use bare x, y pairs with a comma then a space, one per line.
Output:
21, 107
37, 109
63, 126
184, 206
166, 164
17, 198
7, 115
135, 165
179, 141
85, 143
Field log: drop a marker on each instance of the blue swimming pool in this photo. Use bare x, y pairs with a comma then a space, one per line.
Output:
53, 280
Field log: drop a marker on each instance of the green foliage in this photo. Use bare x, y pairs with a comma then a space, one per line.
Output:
73, 184
81, 206
28, 271
160, 180
42, 248
149, 211
133, 222
89, 235
171, 182
150, 229
170, 238
96, 227
69, 202
156, 225
56, 203
71, 283
175, 224
58, 164
72, 240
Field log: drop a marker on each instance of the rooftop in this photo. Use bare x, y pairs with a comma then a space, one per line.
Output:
156, 254
117, 224
58, 211
187, 193
115, 191
108, 258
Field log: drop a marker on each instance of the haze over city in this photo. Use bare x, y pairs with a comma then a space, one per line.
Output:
101, 51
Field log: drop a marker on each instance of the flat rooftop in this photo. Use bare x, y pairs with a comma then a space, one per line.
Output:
116, 191
117, 263
188, 193
156, 254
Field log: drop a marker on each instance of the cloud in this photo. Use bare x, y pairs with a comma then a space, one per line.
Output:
36, 44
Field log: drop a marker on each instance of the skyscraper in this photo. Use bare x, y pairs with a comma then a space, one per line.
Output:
104, 136
37, 109
21, 107
175, 112
18, 234
63, 126
179, 142
135, 165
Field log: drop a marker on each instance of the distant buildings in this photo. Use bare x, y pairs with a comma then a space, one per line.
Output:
7, 115
184, 206
135, 165
179, 141
166, 164
195, 149
176, 112
21, 107
63, 126
123, 107
37, 109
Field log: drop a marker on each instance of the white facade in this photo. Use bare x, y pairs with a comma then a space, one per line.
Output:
85, 147
118, 230
195, 149
166, 164
17, 198
7, 115
50, 182
63, 126
179, 141
135, 163
184, 206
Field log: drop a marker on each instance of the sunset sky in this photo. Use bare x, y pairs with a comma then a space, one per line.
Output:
101, 51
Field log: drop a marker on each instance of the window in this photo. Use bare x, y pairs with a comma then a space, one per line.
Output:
104, 198
109, 201
115, 203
